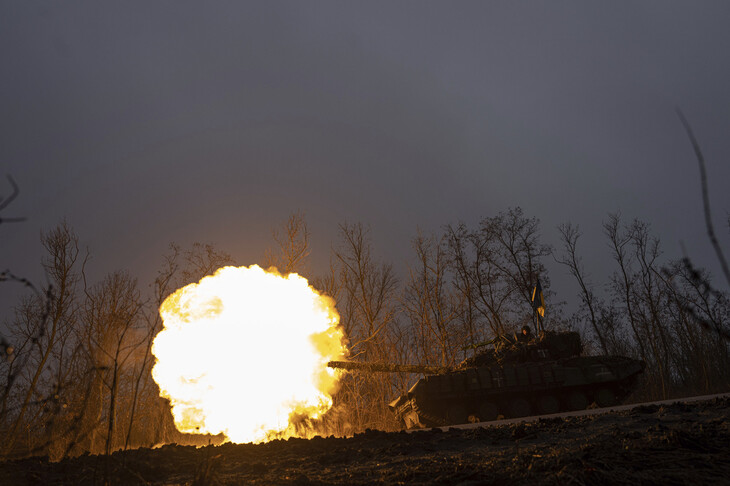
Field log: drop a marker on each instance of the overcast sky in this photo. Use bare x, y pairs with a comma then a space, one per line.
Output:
149, 122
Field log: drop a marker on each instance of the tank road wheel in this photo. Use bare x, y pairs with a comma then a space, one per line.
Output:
457, 415
548, 404
488, 412
577, 400
605, 397
519, 407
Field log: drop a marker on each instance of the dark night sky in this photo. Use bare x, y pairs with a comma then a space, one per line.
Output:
146, 122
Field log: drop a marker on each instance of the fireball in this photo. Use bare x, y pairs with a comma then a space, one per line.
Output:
244, 352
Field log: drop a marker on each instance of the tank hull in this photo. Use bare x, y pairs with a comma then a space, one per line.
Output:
494, 391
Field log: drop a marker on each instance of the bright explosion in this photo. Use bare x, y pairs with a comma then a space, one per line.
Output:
244, 352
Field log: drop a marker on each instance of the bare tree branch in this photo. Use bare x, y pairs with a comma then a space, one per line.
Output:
705, 196
4, 203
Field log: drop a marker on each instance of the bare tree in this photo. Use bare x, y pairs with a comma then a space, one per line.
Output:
519, 254
457, 244
293, 242
111, 320
660, 302
141, 373
367, 289
431, 305
10, 367
623, 281
367, 305
496, 269
40, 339
569, 235
650, 296
200, 260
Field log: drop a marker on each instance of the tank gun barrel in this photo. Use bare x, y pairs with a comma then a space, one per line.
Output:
388, 367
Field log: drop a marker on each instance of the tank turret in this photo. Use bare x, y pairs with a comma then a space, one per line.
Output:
549, 346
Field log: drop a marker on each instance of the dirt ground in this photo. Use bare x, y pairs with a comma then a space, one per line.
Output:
671, 444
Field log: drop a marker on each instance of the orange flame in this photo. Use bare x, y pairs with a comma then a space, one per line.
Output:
244, 351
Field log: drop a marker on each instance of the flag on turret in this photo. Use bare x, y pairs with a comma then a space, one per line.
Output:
538, 301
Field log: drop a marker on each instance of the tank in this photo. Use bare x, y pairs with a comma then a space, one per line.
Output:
515, 379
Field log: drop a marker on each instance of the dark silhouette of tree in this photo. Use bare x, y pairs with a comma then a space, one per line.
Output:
569, 235
41, 332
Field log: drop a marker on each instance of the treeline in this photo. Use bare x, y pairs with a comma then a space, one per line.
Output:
469, 284
75, 374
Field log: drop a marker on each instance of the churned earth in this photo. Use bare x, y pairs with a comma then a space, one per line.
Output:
679, 443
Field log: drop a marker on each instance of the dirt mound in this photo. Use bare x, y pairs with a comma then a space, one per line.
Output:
674, 444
